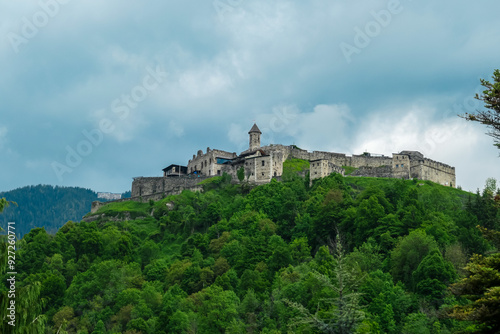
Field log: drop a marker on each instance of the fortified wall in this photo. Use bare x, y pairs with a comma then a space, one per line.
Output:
261, 164
434, 171
382, 171
156, 188
338, 159
323, 168
142, 186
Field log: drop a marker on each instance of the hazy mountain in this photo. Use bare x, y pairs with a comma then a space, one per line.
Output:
46, 206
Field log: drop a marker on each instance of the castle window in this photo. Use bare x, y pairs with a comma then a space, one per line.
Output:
218, 172
397, 166
402, 165
262, 174
263, 163
274, 173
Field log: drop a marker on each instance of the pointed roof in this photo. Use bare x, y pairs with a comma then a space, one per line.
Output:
255, 128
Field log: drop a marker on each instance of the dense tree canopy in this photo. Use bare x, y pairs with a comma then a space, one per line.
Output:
233, 259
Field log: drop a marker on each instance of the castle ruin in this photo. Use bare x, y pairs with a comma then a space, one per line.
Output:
261, 164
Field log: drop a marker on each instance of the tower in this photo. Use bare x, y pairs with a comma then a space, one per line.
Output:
254, 137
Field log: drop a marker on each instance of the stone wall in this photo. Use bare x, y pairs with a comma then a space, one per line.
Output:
402, 166
96, 205
363, 160
207, 163
384, 171
144, 186
318, 169
323, 168
259, 168
436, 172
339, 159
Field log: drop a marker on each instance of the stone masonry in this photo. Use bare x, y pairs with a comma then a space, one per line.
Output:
261, 164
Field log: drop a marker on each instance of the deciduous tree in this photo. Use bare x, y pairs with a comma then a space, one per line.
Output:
491, 116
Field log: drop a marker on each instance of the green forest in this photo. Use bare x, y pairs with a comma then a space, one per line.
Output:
46, 206
343, 255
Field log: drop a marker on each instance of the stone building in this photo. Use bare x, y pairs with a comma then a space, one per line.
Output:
322, 168
262, 163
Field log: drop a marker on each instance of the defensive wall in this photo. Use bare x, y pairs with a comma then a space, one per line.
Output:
323, 168
434, 171
156, 188
142, 186
339, 159
382, 171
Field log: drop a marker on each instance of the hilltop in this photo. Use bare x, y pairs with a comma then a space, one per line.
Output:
241, 258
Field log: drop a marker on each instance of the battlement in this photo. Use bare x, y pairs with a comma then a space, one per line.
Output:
438, 165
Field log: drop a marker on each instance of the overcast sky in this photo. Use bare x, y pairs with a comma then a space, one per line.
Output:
94, 93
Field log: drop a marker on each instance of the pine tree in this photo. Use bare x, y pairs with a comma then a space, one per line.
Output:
345, 314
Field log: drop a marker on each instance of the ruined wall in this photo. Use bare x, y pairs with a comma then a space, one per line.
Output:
434, 171
383, 171
259, 169
401, 166
279, 154
338, 159
96, 205
337, 169
207, 162
323, 168
277, 163
319, 169
144, 186
362, 160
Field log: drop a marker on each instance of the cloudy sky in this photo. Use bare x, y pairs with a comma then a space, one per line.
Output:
94, 93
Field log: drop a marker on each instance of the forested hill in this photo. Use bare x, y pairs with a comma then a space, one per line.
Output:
347, 255
45, 206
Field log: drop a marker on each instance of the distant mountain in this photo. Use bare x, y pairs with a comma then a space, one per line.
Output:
46, 206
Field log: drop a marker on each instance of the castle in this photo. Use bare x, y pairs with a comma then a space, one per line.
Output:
261, 164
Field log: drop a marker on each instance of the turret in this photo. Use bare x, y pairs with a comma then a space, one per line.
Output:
254, 137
